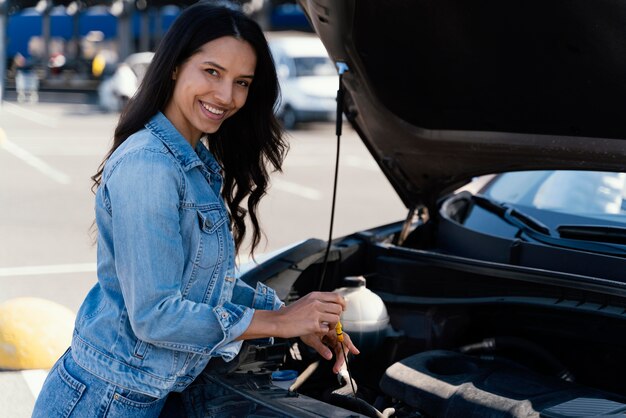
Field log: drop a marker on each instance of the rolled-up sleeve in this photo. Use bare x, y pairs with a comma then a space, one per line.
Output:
143, 194
263, 297
234, 319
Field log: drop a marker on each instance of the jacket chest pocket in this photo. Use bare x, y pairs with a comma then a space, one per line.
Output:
211, 219
212, 243
210, 255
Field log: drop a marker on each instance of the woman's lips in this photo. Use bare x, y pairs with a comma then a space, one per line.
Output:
212, 112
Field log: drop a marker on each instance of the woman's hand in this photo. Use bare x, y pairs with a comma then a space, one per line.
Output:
322, 342
314, 313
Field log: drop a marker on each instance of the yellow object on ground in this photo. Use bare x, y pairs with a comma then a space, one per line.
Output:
34, 333
97, 65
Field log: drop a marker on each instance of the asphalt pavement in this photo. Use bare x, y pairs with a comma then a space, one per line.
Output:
48, 152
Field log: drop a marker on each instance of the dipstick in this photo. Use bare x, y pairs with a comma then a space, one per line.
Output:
339, 331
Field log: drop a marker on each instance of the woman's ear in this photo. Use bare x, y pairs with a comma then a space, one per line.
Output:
174, 73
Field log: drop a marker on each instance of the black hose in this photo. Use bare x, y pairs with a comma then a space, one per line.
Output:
343, 398
515, 343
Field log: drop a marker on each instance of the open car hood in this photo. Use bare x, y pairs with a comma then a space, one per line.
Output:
441, 91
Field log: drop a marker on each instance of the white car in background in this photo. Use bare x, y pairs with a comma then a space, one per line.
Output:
114, 92
308, 79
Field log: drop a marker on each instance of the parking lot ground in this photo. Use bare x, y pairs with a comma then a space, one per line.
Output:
18, 391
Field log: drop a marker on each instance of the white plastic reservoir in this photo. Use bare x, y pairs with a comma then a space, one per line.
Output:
365, 318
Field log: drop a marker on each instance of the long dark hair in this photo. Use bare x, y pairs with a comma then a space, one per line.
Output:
247, 143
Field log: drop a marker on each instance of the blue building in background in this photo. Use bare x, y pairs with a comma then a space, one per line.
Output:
26, 24
72, 43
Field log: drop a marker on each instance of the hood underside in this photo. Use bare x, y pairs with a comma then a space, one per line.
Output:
442, 91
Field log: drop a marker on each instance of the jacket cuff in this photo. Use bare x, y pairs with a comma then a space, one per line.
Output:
265, 298
234, 321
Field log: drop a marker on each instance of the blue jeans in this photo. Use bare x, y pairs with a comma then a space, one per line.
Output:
71, 391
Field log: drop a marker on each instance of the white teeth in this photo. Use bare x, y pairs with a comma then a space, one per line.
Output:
212, 109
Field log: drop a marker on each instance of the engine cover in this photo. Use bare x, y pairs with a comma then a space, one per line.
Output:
453, 385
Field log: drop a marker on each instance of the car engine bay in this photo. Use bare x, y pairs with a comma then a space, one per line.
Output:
461, 340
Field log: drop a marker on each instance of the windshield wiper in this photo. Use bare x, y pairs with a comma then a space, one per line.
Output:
597, 239
602, 233
511, 215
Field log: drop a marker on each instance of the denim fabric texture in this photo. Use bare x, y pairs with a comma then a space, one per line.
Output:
71, 391
168, 297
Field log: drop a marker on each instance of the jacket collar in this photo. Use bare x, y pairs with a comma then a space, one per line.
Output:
188, 158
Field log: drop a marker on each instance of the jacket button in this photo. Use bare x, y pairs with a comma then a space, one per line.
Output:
224, 315
265, 290
207, 223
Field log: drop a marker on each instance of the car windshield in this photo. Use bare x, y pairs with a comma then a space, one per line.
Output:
600, 195
314, 66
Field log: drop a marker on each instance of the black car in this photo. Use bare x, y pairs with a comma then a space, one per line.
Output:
507, 299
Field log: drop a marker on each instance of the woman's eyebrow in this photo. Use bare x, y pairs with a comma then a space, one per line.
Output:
219, 67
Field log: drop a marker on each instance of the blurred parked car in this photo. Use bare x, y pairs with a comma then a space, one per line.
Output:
114, 92
500, 297
308, 79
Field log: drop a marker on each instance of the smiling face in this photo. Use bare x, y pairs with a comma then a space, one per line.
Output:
211, 86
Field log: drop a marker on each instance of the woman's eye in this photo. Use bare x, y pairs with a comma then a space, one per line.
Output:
212, 71
243, 83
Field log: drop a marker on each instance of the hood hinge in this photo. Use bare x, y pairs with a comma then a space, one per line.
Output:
418, 215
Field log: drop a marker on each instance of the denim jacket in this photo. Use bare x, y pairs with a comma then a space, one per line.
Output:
167, 297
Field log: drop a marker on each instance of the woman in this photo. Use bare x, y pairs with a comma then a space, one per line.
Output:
167, 299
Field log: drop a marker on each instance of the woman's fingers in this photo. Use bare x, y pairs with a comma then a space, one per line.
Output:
329, 319
324, 327
316, 312
341, 351
315, 342
330, 298
339, 359
347, 341
330, 301
321, 344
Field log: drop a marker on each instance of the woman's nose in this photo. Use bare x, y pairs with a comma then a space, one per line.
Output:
224, 92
